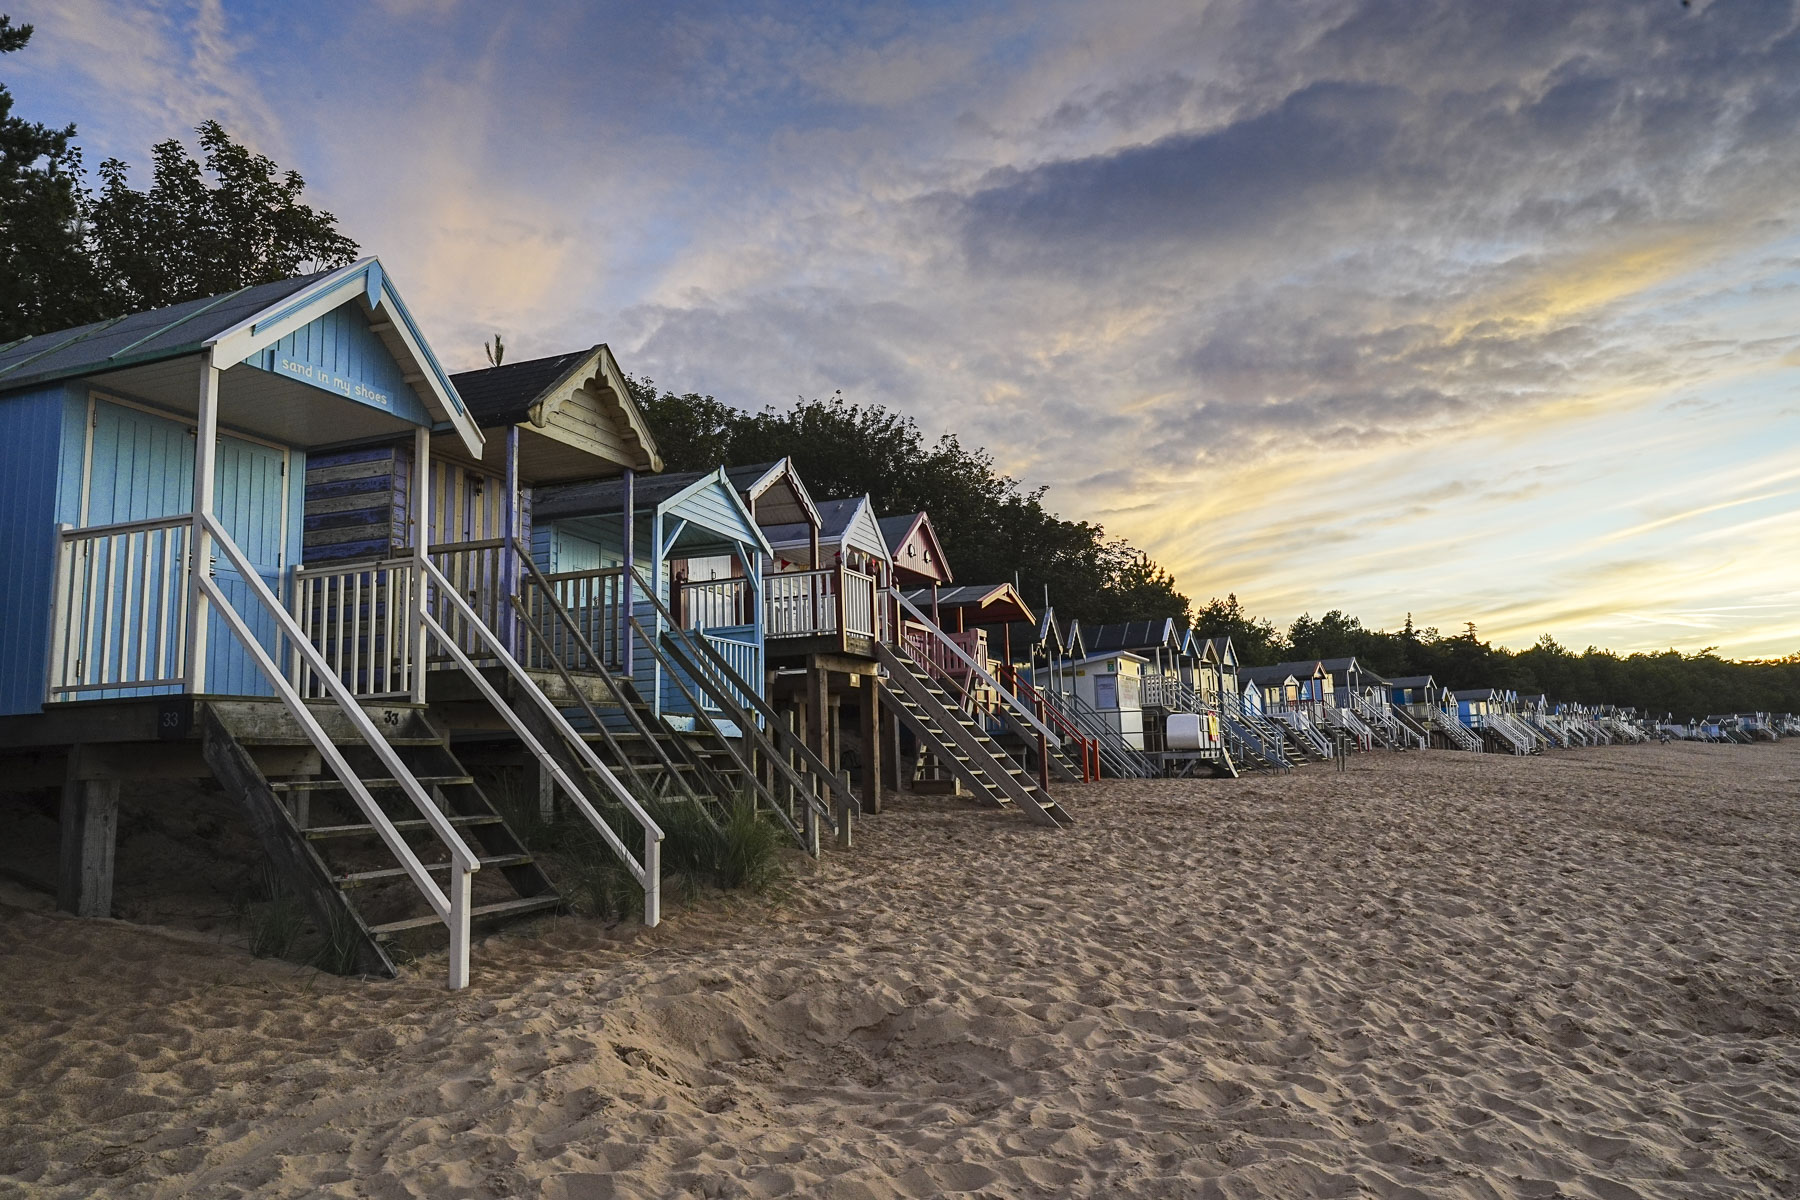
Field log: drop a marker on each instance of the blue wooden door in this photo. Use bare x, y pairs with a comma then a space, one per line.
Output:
141, 467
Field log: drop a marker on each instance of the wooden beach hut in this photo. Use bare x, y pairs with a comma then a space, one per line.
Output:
140, 445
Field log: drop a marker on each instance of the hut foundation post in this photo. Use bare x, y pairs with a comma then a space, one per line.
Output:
872, 748
90, 829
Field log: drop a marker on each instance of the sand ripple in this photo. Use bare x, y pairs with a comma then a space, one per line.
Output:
1434, 976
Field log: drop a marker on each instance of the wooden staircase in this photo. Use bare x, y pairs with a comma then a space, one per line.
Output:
1258, 745
958, 742
1460, 735
332, 856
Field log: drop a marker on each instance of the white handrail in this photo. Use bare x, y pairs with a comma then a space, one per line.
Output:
648, 874
1012, 701
453, 909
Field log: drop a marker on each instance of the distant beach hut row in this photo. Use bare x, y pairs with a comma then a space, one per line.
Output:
266, 539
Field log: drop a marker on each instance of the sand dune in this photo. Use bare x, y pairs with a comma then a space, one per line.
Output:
1435, 975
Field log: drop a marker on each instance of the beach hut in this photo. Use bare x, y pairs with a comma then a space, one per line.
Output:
1281, 695
140, 445
1109, 684
691, 537
914, 550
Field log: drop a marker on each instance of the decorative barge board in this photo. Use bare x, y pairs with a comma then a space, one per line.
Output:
138, 446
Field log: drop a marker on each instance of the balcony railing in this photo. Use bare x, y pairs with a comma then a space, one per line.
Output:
591, 600
363, 619
715, 604
120, 613
817, 603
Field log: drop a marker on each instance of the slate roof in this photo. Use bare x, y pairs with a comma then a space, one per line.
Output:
604, 497
834, 521
138, 337
504, 395
1128, 635
1304, 668
1265, 675
895, 529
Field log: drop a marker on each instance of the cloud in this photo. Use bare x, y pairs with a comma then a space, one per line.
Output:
1386, 305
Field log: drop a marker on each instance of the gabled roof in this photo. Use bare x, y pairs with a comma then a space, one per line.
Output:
605, 497
897, 531
1306, 668
990, 603
1337, 666
1412, 681
1478, 694
1220, 647
232, 326
139, 337
775, 493
839, 520
1264, 676
530, 392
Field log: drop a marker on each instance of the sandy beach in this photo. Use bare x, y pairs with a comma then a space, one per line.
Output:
1435, 975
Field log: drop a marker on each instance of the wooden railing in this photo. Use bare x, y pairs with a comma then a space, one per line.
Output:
590, 599
480, 573
119, 613
715, 604
362, 618
815, 603
745, 660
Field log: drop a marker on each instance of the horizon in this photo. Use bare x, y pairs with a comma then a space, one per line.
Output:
1474, 314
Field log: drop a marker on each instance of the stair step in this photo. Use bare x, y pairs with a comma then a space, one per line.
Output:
506, 908
353, 744
357, 878
328, 785
336, 831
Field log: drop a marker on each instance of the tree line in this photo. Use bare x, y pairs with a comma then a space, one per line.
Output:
1655, 682
994, 528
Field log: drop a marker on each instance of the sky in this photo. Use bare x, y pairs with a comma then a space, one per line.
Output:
1475, 310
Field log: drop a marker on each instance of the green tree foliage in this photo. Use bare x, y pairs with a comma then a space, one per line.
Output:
993, 528
1662, 682
202, 228
47, 280
69, 256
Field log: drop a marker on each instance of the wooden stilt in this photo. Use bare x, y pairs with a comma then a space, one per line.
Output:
871, 740
90, 827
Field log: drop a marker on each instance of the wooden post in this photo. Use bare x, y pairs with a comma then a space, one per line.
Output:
90, 827
509, 565
421, 534
891, 752
626, 579
206, 444
818, 738
871, 740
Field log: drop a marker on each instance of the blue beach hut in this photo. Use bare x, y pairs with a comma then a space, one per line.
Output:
691, 535
132, 447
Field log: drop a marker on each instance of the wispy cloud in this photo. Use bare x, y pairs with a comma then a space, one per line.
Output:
1469, 310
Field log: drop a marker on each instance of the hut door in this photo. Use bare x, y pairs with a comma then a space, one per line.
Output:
141, 467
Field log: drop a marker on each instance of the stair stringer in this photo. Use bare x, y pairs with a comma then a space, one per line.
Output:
292, 855
984, 772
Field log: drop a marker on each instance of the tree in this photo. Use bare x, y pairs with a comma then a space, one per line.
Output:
203, 228
46, 278
1256, 640
993, 528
